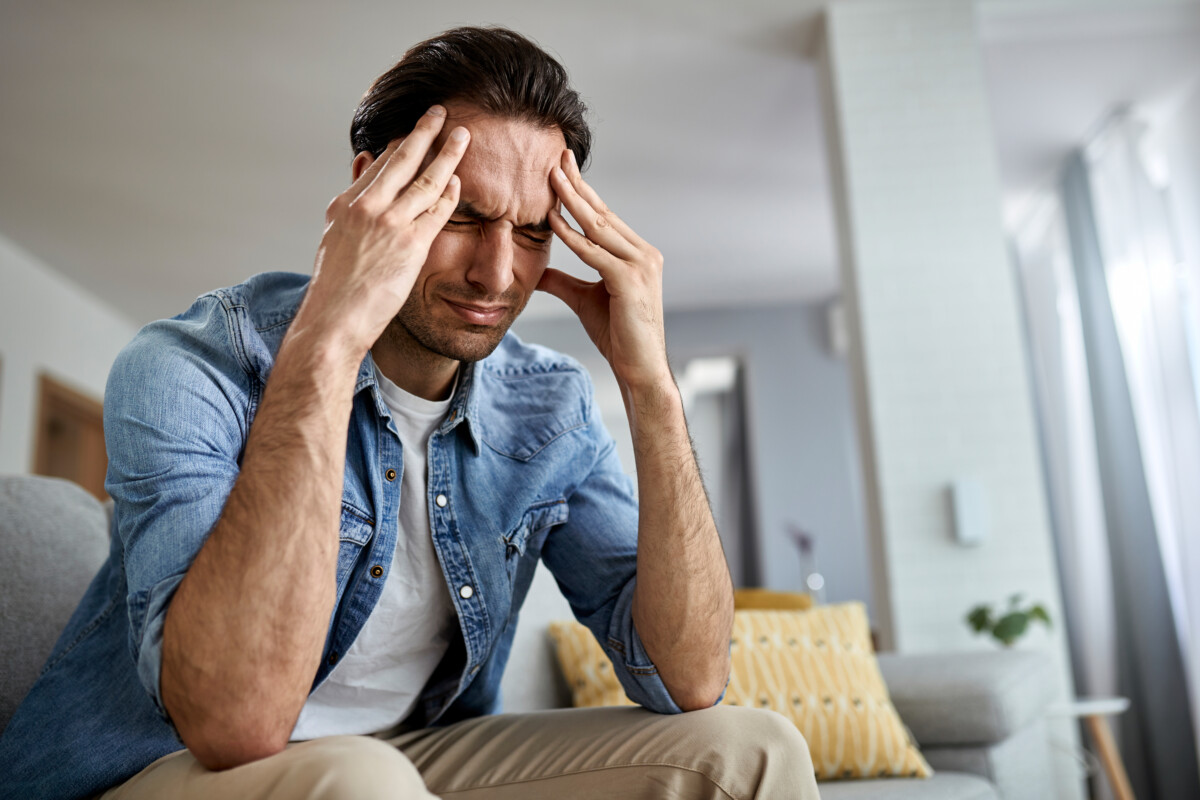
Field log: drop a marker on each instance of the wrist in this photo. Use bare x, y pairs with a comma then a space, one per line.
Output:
652, 398
325, 349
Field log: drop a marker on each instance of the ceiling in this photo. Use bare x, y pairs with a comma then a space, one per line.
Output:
152, 151
1054, 75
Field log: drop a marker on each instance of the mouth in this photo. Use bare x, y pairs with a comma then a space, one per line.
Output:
477, 314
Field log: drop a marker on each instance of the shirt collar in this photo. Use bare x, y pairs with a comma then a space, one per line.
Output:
463, 408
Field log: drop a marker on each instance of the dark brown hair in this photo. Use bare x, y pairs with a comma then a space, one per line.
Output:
495, 69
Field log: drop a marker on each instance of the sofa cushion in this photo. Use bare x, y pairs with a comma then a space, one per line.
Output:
53, 539
942, 786
968, 698
815, 667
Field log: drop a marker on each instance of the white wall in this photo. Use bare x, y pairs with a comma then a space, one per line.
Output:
47, 325
937, 344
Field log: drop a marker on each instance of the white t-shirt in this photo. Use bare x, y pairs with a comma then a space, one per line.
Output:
378, 680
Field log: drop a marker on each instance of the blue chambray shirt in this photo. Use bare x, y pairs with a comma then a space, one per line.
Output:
521, 469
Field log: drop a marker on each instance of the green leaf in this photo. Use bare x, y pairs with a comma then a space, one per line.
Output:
1014, 601
980, 618
1038, 612
1010, 627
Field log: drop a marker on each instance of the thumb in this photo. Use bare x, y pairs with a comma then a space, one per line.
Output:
568, 288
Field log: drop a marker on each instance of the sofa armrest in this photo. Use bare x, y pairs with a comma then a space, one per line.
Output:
974, 698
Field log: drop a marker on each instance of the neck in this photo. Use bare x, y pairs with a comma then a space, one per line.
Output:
413, 367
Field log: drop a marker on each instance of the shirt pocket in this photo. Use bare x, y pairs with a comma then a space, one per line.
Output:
531, 532
354, 531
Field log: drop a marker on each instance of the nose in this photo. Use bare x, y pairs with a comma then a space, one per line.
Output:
492, 265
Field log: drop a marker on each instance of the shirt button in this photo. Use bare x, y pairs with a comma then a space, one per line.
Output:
441, 501
390, 474
333, 657
376, 571
466, 592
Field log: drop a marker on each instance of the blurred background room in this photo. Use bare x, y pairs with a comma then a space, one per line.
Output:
932, 281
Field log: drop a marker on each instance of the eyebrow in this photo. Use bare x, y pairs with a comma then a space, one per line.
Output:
469, 211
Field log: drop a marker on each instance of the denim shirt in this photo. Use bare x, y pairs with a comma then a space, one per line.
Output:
521, 469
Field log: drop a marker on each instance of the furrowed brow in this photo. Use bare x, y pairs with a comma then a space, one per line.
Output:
465, 209
538, 227
469, 211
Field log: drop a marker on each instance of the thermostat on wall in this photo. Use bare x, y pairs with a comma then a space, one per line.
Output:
968, 503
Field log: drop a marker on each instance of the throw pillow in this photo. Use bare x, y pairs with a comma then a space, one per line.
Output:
765, 599
815, 667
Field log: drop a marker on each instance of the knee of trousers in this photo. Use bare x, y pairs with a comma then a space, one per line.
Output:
357, 767
748, 743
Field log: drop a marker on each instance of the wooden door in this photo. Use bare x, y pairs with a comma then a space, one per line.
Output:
70, 437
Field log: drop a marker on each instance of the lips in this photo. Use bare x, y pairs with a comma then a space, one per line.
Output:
477, 314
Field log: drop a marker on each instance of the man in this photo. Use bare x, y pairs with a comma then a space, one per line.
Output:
330, 496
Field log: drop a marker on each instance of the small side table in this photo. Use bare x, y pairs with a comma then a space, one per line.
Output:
1095, 711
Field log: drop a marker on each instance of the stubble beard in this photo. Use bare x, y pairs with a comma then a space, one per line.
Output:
464, 342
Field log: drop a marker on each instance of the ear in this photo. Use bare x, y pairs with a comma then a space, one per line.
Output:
360, 164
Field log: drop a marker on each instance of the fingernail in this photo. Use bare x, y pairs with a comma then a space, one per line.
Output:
459, 135
562, 176
571, 155
436, 111
453, 181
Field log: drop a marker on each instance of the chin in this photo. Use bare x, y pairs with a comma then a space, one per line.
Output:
470, 344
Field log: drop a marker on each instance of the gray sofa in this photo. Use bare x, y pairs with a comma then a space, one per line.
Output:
978, 717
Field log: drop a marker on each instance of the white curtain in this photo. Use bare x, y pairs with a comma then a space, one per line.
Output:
1153, 302
1113, 316
1059, 362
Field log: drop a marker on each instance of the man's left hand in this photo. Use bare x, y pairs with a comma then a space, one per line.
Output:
623, 311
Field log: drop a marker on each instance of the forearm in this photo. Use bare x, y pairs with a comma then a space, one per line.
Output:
683, 602
244, 633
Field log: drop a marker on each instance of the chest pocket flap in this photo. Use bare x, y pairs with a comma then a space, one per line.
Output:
355, 526
534, 525
525, 413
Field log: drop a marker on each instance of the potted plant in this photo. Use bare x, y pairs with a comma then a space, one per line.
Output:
1011, 624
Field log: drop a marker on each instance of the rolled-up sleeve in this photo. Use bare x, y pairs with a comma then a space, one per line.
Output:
593, 557
174, 423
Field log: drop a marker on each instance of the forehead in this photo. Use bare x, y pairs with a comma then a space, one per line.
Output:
505, 172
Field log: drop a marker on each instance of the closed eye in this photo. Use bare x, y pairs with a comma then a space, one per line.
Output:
532, 238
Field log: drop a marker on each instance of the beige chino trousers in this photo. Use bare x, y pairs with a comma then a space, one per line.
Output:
572, 754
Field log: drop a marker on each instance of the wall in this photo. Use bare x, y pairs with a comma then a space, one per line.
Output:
47, 324
801, 428
935, 328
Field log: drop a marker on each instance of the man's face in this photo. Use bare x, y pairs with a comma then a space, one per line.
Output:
487, 261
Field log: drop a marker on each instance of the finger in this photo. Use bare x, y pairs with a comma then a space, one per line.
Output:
596, 224
429, 185
434, 218
571, 290
398, 170
368, 174
571, 168
592, 254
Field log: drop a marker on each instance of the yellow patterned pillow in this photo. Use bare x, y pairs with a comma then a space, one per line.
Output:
815, 667
765, 599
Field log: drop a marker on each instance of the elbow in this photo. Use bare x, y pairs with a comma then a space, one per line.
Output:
698, 698
232, 746
700, 693
222, 738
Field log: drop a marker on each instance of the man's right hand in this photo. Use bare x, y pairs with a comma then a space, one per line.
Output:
378, 234
245, 631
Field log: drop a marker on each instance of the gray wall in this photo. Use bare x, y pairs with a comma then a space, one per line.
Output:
801, 427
